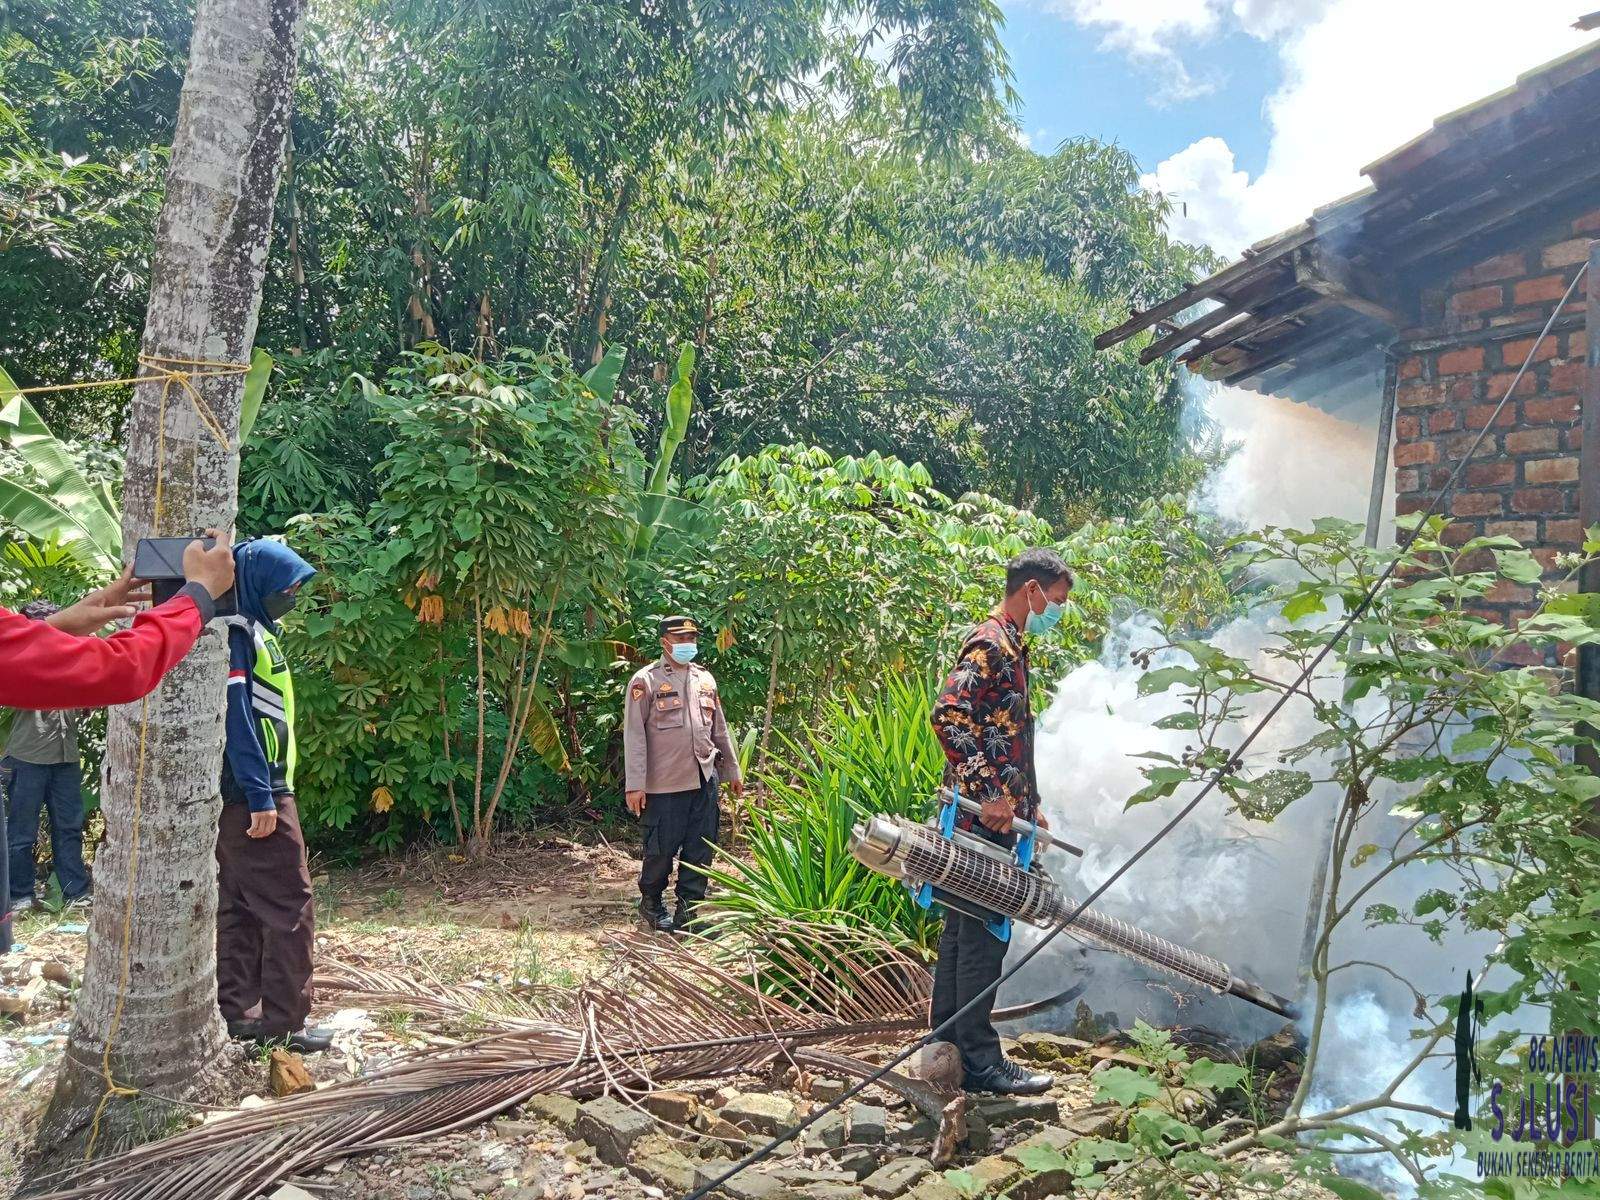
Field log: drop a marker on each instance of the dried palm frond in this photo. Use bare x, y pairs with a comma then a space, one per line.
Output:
662, 1015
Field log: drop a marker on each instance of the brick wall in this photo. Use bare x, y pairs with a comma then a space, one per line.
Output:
1523, 480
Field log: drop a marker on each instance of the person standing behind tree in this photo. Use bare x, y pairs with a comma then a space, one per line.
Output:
984, 720
676, 748
57, 663
41, 759
265, 913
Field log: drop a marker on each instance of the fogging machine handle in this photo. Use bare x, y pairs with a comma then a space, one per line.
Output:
1043, 839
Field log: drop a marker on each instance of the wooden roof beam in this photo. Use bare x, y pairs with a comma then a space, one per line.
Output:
1253, 328
1319, 269
1217, 285
1185, 333
1303, 350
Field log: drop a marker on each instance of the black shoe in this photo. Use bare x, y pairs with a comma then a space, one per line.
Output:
686, 918
1007, 1079
301, 1041
305, 1041
654, 914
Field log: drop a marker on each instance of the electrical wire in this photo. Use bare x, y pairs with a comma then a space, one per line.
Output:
1221, 772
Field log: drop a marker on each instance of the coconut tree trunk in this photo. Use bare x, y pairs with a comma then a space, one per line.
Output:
147, 1014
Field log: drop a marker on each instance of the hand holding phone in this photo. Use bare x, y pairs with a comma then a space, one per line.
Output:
168, 563
209, 562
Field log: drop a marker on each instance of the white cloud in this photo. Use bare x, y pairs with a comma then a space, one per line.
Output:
1212, 201
1360, 77
1150, 31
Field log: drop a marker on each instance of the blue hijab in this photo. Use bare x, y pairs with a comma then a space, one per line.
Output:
262, 567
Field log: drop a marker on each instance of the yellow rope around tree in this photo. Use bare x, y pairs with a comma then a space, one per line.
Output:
167, 372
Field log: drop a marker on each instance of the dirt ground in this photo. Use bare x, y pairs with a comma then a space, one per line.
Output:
539, 912
536, 911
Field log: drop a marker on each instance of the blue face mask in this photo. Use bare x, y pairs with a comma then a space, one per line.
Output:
684, 652
1044, 622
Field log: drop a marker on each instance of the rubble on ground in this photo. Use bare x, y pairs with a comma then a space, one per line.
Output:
665, 1143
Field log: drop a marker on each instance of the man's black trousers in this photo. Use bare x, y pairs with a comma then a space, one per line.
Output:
681, 825
970, 958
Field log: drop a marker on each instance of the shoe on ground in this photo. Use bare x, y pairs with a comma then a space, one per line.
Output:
301, 1041
654, 915
82, 900
304, 1041
246, 1029
23, 904
1007, 1078
686, 918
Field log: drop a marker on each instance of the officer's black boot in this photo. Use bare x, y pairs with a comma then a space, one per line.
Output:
687, 918
654, 914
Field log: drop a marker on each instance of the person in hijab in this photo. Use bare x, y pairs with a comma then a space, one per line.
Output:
265, 914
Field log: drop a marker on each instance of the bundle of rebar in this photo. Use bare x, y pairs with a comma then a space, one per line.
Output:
974, 880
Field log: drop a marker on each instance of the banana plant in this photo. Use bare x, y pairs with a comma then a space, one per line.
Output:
679, 404
54, 504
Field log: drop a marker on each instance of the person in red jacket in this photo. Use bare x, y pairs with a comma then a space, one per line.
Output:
56, 663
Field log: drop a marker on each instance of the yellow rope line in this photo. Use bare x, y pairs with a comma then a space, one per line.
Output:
167, 377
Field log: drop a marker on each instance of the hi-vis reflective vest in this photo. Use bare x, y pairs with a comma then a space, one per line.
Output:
271, 702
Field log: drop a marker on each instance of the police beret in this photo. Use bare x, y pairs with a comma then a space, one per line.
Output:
678, 625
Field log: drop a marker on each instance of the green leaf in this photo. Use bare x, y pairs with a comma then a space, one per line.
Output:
544, 735
1474, 741
1040, 1159
602, 377
678, 405
1216, 1076
1518, 566
64, 507
1125, 1087
1307, 600
964, 1182
1163, 678
1179, 720
255, 390
1348, 1189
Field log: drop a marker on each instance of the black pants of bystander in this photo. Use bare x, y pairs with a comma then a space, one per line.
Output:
681, 825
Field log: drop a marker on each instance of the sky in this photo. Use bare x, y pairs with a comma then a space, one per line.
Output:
1250, 113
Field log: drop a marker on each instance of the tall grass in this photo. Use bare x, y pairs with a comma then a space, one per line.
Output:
868, 754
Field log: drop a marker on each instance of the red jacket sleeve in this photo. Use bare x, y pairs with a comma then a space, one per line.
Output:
42, 667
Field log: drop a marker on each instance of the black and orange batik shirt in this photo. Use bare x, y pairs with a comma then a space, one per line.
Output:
984, 720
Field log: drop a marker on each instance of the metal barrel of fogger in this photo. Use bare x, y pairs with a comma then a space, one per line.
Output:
905, 850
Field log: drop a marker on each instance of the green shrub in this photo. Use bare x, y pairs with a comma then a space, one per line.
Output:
869, 754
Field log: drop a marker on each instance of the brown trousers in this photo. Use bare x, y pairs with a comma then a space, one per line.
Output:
265, 921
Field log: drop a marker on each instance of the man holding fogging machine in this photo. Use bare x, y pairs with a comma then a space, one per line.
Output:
984, 721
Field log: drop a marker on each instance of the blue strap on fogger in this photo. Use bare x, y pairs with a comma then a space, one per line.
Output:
922, 894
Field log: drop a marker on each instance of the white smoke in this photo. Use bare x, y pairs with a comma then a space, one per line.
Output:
1292, 462
1238, 889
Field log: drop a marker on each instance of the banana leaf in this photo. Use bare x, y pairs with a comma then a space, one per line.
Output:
64, 507
602, 377
255, 390
543, 734
679, 403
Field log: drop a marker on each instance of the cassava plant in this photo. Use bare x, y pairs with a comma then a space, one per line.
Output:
506, 503
1443, 737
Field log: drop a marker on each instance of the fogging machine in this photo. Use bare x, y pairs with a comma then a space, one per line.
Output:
943, 864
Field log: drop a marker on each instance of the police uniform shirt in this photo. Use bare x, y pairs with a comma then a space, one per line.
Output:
674, 730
